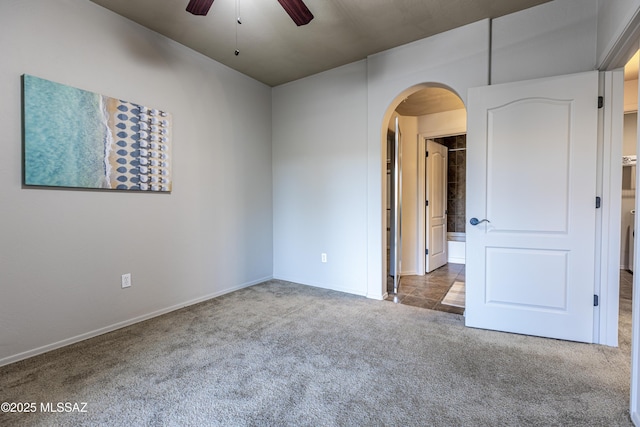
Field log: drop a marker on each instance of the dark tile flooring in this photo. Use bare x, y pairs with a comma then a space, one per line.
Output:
428, 291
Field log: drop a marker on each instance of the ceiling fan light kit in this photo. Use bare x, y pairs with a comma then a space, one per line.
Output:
297, 10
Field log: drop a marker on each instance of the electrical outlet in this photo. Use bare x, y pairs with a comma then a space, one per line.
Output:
323, 257
126, 280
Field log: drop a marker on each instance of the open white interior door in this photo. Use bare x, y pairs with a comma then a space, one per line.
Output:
531, 200
436, 205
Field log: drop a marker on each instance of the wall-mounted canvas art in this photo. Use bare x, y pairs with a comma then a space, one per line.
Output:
80, 139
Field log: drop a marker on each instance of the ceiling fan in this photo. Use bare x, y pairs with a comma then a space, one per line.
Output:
296, 9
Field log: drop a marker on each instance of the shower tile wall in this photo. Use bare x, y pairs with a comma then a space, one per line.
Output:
457, 179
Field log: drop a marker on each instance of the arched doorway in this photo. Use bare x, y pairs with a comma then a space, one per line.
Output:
429, 114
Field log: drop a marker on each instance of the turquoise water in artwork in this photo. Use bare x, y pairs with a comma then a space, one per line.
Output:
66, 135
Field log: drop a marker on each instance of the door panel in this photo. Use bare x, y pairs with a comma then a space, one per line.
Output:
436, 209
515, 165
532, 174
540, 284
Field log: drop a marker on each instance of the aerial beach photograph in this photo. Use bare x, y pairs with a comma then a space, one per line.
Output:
79, 139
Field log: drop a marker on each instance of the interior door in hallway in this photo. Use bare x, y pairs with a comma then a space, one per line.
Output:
436, 205
531, 183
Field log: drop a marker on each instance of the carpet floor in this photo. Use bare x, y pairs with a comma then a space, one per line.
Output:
282, 354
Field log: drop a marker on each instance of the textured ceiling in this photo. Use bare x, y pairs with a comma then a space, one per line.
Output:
428, 101
274, 50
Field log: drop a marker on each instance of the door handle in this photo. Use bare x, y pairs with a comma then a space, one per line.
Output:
476, 221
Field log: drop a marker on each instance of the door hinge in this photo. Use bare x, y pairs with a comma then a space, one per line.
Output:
600, 101
427, 154
595, 301
426, 203
598, 202
426, 251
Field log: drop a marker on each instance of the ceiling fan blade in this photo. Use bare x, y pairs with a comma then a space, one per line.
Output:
297, 10
199, 7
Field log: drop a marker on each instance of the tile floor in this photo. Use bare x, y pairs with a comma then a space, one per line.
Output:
428, 291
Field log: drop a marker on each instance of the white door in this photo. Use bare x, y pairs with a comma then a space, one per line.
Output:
436, 205
531, 174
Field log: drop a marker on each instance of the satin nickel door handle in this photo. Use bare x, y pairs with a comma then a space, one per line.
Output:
476, 221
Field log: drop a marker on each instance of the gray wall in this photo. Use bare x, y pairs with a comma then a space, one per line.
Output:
319, 179
62, 252
548, 40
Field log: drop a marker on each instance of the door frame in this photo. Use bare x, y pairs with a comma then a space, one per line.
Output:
430, 161
396, 206
634, 401
608, 181
422, 186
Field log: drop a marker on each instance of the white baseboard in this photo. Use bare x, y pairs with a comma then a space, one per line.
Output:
456, 252
72, 340
353, 291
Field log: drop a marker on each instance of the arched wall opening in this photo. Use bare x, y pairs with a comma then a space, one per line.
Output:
425, 110
391, 77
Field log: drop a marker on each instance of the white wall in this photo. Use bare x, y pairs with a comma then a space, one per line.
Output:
410, 250
61, 251
630, 95
552, 39
446, 123
319, 179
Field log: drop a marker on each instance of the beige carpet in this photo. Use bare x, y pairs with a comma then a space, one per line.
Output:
455, 296
281, 354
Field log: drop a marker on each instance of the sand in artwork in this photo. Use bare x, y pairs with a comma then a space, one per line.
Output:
76, 138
